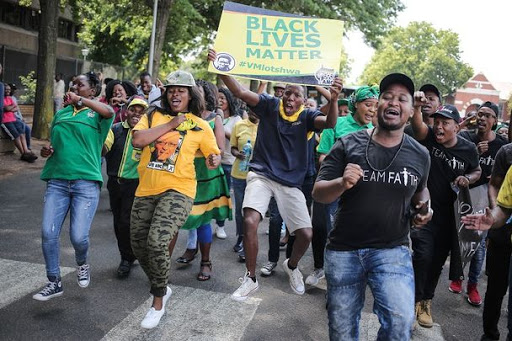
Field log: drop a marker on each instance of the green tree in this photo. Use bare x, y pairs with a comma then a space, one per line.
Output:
423, 53
119, 33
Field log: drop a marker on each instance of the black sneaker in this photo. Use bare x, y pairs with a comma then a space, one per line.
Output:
51, 290
124, 268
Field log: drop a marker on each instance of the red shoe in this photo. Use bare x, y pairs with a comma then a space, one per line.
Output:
455, 287
473, 295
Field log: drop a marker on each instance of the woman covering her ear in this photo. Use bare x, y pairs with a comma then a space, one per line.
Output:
73, 176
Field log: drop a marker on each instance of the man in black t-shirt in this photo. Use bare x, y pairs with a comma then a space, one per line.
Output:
488, 143
499, 250
454, 161
369, 243
432, 103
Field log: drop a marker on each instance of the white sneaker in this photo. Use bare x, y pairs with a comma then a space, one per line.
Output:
248, 287
268, 268
167, 295
153, 316
83, 275
296, 281
220, 233
315, 277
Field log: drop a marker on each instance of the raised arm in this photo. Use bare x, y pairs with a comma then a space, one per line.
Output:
104, 110
419, 128
251, 98
261, 87
329, 121
219, 133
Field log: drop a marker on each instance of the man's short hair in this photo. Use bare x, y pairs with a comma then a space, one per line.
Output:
432, 88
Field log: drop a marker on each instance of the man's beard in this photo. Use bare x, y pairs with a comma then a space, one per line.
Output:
386, 126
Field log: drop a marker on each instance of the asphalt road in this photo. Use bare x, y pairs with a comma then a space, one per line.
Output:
111, 309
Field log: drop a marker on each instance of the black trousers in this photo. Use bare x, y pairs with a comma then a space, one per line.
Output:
431, 246
121, 193
497, 265
274, 231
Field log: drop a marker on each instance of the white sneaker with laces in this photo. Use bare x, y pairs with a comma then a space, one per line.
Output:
83, 275
248, 287
153, 316
268, 268
220, 232
296, 281
315, 277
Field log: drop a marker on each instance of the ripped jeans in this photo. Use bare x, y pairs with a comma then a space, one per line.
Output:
388, 273
80, 198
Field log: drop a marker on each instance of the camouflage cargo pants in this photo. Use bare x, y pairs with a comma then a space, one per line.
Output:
155, 220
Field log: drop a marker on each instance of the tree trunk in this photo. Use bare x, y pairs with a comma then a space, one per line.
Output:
46, 63
162, 19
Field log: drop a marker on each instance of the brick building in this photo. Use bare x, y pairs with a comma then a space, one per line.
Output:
474, 92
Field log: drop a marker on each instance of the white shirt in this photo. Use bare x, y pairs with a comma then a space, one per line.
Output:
58, 89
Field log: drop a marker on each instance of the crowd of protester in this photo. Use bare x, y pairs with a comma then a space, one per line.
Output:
176, 155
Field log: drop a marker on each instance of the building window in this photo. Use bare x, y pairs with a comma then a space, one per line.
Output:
29, 19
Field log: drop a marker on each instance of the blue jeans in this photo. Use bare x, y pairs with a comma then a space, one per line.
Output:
477, 262
239, 192
227, 173
80, 198
390, 276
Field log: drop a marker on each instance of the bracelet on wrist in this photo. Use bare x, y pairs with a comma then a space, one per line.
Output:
467, 177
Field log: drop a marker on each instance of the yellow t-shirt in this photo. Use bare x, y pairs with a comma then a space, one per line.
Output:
505, 194
242, 131
168, 162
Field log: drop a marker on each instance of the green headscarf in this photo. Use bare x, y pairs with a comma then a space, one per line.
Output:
361, 94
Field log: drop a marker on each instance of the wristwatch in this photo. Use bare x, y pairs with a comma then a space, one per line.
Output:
80, 103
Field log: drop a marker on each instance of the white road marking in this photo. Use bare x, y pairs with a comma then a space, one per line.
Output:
21, 278
191, 314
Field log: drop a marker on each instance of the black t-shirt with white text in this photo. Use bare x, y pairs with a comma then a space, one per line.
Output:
446, 165
486, 159
376, 212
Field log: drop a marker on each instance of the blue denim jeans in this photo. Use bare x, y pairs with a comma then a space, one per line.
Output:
239, 193
80, 198
477, 262
390, 276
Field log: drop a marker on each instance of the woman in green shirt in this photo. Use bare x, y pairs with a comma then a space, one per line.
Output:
73, 176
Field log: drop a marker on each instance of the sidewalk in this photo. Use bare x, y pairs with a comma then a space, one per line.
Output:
11, 164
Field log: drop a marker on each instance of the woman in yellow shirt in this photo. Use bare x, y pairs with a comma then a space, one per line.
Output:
170, 137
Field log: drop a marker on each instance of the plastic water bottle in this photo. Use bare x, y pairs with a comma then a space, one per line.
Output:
244, 164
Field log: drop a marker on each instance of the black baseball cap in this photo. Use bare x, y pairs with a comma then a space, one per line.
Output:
396, 78
431, 88
487, 104
448, 111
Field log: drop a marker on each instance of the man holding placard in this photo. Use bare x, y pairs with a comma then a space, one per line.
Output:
277, 169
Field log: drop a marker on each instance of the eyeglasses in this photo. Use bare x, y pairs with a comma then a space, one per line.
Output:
486, 115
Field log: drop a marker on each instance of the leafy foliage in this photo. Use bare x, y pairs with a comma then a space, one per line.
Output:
29, 86
423, 53
119, 33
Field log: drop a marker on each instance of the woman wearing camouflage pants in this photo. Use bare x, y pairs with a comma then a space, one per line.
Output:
170, 137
